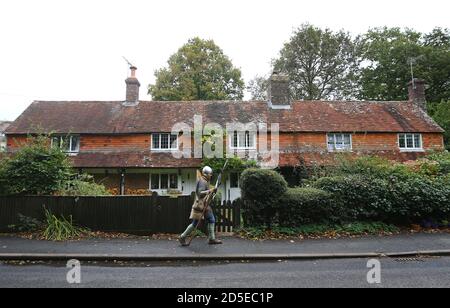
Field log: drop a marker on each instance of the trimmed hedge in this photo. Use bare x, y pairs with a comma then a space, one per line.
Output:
400, 200
299, 206
366, 189
261, 191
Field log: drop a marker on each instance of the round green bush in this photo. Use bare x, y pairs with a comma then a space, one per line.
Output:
261, 191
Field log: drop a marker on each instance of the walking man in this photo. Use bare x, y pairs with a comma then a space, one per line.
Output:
202, 191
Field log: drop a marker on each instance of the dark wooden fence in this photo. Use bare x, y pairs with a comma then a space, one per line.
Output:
133, 214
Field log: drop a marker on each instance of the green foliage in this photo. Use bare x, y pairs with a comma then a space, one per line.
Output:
442, 159
357, 197
198, 71
388, 52
366, 189
36, 169
441, 114
27, 224
258, 87
300, 206
83, 185
60, 228
321, 64
261, 191
235, 164
363, 190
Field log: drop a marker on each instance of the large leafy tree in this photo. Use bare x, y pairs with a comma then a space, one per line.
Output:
257, 87
199, 70
441, 114
321, 64
389, 53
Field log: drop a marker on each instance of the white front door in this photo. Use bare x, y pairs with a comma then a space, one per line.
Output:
188, 181
233, 189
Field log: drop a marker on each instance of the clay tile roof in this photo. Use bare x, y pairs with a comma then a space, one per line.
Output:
304, 116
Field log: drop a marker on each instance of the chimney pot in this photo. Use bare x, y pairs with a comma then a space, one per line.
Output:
416, 93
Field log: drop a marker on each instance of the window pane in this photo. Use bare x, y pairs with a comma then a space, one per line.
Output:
173, 141
409, 141
417, 143
347, 140
401, 141
247, 139
252, 137
235, 139
234, 180
164, 181
173, 181
75, 145
56, 142
242, 139
330, 142
164, 141
155, 141
339, 141
155, 181
65, 146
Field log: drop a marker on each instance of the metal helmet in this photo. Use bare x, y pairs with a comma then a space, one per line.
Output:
207, 170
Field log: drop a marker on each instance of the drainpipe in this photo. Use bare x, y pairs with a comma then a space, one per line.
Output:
122, 182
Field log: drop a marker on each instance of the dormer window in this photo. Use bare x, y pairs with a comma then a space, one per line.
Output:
164, 142
68, 144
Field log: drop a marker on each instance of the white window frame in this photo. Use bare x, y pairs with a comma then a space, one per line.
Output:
160, 173
336, 149
245, 147
414, 148
61, 137
159, 149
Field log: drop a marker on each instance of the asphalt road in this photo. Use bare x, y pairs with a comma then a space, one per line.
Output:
427, 272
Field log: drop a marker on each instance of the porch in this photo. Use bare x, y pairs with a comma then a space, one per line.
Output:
164, 182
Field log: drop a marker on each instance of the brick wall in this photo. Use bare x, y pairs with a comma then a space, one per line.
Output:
111, 143
312, 144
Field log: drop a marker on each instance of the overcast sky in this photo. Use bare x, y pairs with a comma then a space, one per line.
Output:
72, 50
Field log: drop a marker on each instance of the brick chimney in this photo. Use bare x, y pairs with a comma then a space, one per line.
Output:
416, 93
132, 95
278, 92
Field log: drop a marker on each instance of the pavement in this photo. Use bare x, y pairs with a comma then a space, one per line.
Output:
14, 248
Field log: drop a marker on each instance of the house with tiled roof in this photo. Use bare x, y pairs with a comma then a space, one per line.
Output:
131, 145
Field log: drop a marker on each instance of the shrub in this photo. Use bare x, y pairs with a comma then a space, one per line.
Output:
36, 169
60, 228
83, 185
443, 161
418, 197
395, 199
358, 197
26, 224
300, 206
261, 192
